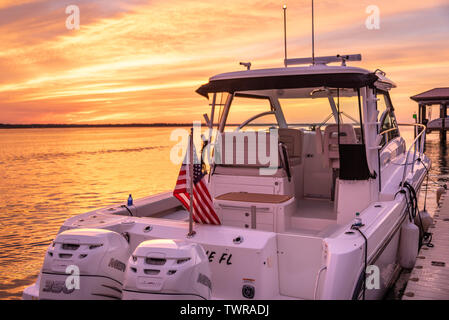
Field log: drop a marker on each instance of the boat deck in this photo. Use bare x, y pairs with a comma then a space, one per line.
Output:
429, 279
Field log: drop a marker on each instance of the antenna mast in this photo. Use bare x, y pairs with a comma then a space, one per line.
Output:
313, 36
285, 34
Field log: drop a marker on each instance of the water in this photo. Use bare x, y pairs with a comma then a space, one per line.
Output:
49, 175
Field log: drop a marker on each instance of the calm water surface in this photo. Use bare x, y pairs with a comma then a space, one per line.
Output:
49, 175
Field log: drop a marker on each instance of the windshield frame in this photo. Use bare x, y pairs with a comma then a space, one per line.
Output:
275, 104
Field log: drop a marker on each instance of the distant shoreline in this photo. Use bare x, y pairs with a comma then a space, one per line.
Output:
128, 125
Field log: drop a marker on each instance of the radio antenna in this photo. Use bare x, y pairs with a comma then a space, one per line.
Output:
284, 7
313, 36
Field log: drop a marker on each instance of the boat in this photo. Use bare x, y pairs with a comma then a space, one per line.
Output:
308, 209
437, 124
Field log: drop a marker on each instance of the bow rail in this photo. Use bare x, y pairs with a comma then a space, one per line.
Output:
417, 147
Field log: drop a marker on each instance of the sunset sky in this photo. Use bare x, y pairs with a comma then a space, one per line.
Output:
141, 61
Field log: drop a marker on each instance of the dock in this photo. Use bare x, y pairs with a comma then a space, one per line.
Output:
427, 99
429, 279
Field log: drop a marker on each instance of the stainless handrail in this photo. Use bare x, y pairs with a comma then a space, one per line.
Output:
317, 282
417, 144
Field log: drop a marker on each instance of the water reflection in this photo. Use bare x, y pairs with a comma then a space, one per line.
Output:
437, 151
443, 158
49, 175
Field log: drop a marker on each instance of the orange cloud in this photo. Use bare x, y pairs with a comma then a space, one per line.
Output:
140, 61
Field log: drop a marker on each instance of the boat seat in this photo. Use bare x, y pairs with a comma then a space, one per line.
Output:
242, 149
249, 143
293, 141
261, 211
331, 150
347, 136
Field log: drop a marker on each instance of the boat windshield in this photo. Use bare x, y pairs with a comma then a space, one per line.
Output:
306, 108
245, 108
321, 108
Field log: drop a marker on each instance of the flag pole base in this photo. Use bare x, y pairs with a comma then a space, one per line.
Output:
191, 234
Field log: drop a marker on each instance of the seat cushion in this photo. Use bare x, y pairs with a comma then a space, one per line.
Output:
293, 140
254, 197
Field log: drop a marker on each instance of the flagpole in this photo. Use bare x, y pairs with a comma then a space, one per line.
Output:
191, 232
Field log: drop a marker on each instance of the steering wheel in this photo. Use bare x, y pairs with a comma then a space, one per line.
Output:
257, 116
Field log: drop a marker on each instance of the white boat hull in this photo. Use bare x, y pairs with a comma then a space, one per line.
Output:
277, 265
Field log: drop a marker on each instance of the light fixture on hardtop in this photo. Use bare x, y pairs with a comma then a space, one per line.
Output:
246, 64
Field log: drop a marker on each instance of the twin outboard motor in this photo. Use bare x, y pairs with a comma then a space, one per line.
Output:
93, 264
166, 270
85, 264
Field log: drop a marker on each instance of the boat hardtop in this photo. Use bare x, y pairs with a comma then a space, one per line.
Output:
336, 76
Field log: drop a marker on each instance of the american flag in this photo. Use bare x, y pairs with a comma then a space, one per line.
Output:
203, 209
